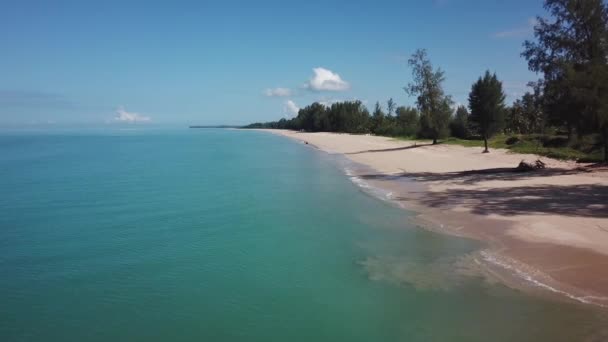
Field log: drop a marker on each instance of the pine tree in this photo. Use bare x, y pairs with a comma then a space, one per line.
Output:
571, 50
487, 104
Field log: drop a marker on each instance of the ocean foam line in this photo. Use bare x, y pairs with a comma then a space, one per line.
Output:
369, 189
360, 182
529, 278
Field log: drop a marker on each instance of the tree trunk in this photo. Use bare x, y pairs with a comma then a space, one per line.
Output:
434, 141
485, 142
605, 134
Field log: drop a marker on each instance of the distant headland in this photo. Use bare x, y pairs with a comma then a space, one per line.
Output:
215, 126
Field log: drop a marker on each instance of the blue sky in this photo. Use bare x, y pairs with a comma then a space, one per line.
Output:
222, 62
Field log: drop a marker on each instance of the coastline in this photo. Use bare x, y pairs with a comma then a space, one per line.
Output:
545, 232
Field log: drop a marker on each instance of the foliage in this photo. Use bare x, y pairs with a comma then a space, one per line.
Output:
407, 121
571, 50
378, 118
525, 116
459, 126
390, 106
349, 117
486, 102
433, 104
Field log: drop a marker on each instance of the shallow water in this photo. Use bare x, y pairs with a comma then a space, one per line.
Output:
225, 235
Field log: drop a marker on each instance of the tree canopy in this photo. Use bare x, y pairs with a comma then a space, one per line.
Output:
459, 127
487, 104
571, 51
431, 100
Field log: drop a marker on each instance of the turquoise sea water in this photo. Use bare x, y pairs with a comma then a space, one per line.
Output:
224, 235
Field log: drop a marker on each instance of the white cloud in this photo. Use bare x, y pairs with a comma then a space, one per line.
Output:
326, 80
278, 92
518, 32
123, 116
291, 108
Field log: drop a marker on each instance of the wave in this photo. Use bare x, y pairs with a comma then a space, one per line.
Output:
366, 187
528, 277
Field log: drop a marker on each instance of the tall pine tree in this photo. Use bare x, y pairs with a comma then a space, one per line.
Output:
487, 105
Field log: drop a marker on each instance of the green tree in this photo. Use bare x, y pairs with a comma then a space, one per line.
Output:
378, 118
349, 117
407, 121
517, 120
571, 50
536, 102
431, 100
525, 116
459, 127
487, 104
390, 106
309, 117
321, 119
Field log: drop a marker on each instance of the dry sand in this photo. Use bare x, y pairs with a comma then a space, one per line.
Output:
548, 227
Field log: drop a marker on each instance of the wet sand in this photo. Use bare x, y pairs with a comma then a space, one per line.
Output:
545, 231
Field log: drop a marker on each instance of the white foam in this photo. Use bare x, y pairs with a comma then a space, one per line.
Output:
379, 193
488, 257
360, 182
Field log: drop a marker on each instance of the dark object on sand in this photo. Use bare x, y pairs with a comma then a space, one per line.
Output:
525, 166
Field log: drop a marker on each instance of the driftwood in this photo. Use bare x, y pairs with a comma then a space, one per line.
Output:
525, 166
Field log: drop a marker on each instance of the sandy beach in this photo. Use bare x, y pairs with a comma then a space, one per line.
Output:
548, 228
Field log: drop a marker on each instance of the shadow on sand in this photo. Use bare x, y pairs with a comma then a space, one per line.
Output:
568, 200
588, 200
476, 176
391, 149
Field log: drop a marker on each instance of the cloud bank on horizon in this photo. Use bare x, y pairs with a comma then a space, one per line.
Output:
129, 117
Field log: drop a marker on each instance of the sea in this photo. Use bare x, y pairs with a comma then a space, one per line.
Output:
176, 234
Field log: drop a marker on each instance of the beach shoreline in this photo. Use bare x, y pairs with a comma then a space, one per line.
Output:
545, 232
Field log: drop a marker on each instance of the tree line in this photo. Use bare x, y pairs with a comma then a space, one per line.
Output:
570, 52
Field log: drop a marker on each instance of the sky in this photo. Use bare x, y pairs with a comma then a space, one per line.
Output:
237, 62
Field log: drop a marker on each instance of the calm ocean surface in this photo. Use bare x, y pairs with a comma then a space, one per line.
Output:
224, 235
